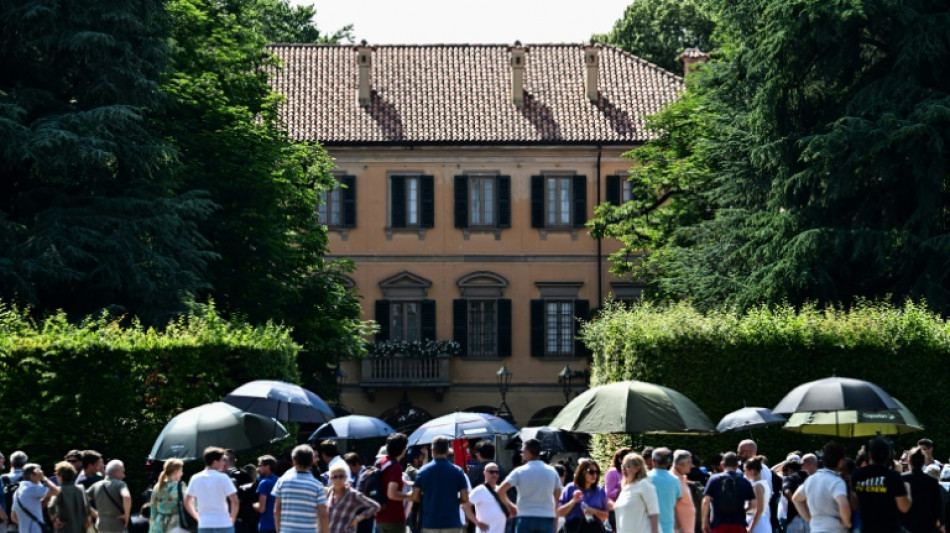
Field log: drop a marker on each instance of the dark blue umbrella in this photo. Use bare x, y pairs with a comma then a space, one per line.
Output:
552, 440
461, 425
353, 427
749, 418
280, 400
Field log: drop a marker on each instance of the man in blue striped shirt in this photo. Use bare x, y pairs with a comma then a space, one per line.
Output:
301, 498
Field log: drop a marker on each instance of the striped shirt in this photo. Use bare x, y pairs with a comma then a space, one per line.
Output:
299, 495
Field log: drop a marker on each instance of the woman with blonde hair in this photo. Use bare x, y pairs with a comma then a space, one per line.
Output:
347, 506
637, 507
168, 499
69, 509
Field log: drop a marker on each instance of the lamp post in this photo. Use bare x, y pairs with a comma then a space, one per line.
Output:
565, 377
504, 382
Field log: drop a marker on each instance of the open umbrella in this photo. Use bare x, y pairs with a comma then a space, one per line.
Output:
214, 424
835, 394
461, 425
352, 427
749, 418
280, 400
854, 424
552, 440
632, 407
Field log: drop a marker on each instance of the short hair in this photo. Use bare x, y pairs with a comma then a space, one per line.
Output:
114, 465
65, 472
834, 453
617, 460
879, 451
90, 458
925, 442
268, 460
561, 470
647, 453
353, 458
146, 510
329, 448
662, 456
485, 449
29, 469
730, 459
933, 471
635, 459
73, 455
396, 444
440, 445
681, 456
210, 455
302, 455
917, 458
18, 459
532, 446
810, 458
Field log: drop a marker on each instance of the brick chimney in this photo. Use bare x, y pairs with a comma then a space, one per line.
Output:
690, 57
364, 60
518, 60
592, 61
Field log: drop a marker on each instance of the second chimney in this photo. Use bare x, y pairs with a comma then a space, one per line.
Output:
690, 57
518, 58
364, 60
592, 61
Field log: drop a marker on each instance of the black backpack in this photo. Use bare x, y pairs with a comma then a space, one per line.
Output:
729, 499
371, 483
9, 489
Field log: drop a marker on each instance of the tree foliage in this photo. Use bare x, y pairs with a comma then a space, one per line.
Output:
659, 30
822, 150
280, 22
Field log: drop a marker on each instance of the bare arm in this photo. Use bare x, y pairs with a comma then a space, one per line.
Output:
757, 504
416, 495
324, 518
502, 493
232, 498
705, 511
127, 506
393, 492
463, 496
277, 515
801, 504
565, 509
903, 502
844, 508
655, 523
261, 504
470, 514
190, 507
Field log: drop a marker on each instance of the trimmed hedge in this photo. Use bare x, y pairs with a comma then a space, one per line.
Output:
725, 360
111, 387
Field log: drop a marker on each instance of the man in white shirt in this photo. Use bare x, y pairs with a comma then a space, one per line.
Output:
823, 499
484, 508
214, 492
539, 489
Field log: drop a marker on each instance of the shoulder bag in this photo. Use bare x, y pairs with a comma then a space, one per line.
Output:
44, 527
185, 520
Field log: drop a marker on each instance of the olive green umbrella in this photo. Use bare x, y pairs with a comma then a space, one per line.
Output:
632, 407
854, 424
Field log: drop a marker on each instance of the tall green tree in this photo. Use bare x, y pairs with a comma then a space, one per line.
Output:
90, 216
659, 30
281, 22
224, 122
826, 157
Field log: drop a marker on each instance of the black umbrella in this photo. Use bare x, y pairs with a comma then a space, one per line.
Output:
836, 394
749, 418
280, 400
552, 440
352, 427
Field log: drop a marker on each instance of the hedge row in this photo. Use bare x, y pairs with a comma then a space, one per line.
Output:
112, 387
724, 361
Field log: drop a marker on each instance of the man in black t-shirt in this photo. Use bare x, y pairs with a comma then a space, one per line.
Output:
794, 478
879, 492
926, 510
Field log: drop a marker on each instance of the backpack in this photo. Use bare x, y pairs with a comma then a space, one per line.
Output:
9, 489
371, 482
729, 499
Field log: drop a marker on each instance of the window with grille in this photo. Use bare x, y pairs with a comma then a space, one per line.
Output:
559, 327
482, 328
482, 201
405, 323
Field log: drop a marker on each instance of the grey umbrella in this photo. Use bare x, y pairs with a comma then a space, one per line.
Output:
836, 394
749, 418
214, 424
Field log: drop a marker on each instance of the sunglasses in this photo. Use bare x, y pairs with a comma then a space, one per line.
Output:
491, 471
592, 471
338, 476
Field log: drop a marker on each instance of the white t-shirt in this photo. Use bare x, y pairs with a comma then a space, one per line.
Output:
821, 488
634, 505
487, 509
211, 489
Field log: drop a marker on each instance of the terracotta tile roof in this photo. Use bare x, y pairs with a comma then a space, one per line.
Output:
459, 94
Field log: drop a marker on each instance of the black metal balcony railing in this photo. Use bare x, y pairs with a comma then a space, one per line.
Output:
384, 372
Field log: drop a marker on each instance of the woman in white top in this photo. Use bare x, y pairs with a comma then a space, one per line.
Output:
636, 508
760, 520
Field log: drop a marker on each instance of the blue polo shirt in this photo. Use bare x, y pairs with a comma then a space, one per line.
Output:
668, 490
440, 482
265, 487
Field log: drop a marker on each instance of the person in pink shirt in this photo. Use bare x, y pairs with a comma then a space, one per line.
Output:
685, 508
613, 479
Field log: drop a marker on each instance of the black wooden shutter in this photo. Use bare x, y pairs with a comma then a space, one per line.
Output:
461, 201
504, 327
382, 318
504, 201
537, 328
613, 190
581, 311
427, 188
428, 319
398, 206
537, 201
580, 201
349, 201
460, 324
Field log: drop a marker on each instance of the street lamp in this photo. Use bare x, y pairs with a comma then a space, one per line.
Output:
504, 382
565, 377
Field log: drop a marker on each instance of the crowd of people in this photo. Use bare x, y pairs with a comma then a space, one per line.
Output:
422, 490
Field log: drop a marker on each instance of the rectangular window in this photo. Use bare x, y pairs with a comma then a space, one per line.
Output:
559, 327
412, 200
482, 328
405, 323
482, 201
558, 201
626, 193
330, 209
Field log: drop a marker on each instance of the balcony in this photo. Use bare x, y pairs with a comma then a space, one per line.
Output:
408, 365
